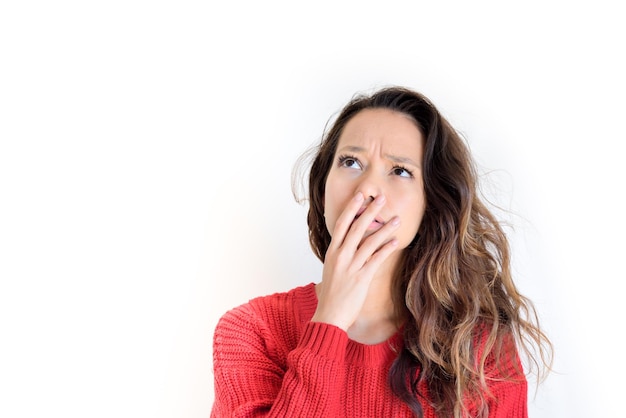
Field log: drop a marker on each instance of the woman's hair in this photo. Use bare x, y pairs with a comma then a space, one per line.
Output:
461, 311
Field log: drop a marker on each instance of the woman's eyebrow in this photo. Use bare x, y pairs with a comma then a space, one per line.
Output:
401, 160
352, 148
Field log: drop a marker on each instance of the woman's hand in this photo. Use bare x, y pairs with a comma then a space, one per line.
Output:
351, 262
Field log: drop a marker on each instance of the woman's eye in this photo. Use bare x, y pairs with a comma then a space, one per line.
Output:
349, 163
402, 172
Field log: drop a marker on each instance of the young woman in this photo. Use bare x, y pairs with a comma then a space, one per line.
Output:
416, 313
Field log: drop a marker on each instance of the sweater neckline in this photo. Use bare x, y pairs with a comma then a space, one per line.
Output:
358, 352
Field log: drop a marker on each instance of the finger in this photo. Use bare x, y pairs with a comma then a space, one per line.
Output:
375, 241
359, 226
379, 256
343, 223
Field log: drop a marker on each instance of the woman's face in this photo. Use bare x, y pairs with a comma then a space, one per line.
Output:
379, 152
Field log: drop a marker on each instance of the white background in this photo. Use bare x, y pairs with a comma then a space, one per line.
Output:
146, 151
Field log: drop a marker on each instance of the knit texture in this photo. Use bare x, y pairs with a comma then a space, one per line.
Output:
270, 360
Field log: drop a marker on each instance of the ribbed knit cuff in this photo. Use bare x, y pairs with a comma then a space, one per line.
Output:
325, 339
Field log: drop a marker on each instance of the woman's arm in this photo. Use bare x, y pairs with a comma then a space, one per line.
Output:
250, 383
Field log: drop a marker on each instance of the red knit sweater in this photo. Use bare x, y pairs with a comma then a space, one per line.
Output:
270, 360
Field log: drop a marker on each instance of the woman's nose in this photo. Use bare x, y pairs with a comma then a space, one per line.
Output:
370, 186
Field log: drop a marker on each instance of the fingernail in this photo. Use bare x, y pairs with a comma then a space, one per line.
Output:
395, 221
358, 197
380, 199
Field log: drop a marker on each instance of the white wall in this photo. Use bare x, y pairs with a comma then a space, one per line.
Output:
145, 159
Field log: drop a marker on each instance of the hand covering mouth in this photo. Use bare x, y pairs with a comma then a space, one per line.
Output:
377, 219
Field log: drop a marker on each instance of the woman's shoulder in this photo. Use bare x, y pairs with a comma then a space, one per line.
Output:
276, 309
276, 319
303, 297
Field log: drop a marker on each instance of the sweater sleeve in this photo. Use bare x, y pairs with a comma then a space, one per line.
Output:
249, 382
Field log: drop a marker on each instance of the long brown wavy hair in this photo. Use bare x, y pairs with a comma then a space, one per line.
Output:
455, 278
